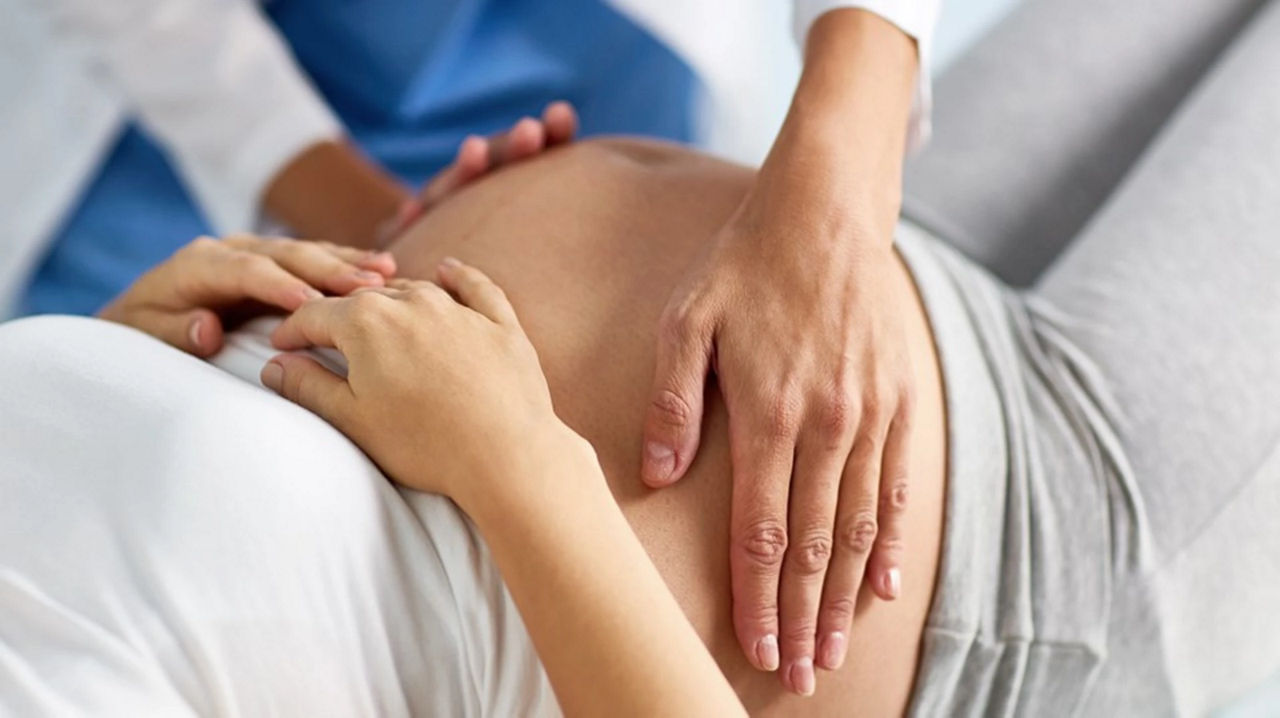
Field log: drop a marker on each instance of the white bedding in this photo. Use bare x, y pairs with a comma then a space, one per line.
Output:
174, 540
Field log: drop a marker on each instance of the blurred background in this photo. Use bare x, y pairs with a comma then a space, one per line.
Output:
134, 126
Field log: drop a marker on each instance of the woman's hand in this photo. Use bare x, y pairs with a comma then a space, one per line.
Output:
185, 300
792, 310
443, 390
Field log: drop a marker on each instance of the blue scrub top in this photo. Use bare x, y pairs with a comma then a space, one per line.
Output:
409, 79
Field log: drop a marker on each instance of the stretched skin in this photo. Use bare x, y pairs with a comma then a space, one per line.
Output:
589, 241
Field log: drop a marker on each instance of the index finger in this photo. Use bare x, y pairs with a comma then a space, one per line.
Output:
318, 323
206, 273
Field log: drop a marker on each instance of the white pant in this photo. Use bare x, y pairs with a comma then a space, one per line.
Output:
175, 540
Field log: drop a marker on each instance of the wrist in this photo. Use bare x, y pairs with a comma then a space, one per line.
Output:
542, 474
845, 133
330, 191
794, 196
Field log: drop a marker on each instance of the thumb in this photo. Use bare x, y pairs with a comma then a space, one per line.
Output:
306, 383
674, 420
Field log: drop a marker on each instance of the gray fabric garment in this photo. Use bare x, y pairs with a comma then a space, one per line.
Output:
1114, 549
1038, 123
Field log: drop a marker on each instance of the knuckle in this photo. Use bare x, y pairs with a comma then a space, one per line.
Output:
894, 501
367, 310
249, 262
297, 250
889, 543
838, 610
799, 630
783, 417
835, 419
672, 409
420, 295
858, 535
425, 295
761, 612
809, 556
875, 407
764, 543
291, 385
866, 447
681, 320
203, 243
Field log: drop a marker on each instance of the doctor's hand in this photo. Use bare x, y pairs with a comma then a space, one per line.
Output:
795, 317
526, 138
477, 156
794, 311
186, 300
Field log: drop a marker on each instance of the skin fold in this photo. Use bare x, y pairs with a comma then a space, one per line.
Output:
589, 241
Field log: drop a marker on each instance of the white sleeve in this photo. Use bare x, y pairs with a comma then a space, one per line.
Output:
212, 81
916, 18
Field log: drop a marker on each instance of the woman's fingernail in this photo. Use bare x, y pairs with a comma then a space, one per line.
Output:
892, 582
193, 333
801, 676
272, 376
311, 293
367, 276
450, 262
831, 652
767, 652
660, 461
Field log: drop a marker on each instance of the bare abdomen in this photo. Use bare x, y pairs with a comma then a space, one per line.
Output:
589, 242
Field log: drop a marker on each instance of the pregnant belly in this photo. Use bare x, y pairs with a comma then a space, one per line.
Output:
589, 241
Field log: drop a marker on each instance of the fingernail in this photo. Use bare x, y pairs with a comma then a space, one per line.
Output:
767, 652
660, 461
312, 293
450, 262
892, 582
831, 653
801, 676
193, 333
272, 376
367, 276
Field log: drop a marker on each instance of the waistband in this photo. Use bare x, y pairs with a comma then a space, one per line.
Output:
1000, 639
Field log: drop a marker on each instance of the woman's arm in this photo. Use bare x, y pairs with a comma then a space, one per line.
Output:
611, 636
444, 391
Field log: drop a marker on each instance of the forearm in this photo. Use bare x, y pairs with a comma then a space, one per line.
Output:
841, 148
331, 192
610, 634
